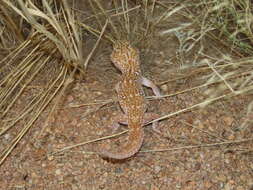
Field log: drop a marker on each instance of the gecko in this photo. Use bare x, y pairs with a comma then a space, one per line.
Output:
131, 99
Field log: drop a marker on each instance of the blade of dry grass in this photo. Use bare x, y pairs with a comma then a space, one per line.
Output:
201, 145
95, 46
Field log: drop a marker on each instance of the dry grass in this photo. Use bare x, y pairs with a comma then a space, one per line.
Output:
53, 49
228, 23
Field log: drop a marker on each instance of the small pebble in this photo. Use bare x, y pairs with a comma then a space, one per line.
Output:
58, 172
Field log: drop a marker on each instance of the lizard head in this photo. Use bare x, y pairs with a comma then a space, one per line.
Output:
125, 57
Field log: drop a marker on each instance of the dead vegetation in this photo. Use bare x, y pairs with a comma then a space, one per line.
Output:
52, 49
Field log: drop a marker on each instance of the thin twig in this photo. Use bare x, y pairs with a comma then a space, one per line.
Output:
87, 142
95, 46
200, 146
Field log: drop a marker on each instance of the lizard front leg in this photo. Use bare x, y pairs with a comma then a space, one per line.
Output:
148, 83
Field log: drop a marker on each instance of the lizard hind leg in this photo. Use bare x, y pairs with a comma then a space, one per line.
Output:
149, 117
117, 120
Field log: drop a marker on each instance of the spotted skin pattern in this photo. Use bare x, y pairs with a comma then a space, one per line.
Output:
131, 99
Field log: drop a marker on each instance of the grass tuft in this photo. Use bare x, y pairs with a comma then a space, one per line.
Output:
51, 51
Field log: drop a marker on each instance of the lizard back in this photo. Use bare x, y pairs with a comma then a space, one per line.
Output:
131, 98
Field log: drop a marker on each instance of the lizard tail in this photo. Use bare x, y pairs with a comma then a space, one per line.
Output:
135, 140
